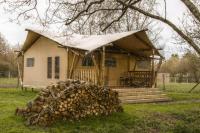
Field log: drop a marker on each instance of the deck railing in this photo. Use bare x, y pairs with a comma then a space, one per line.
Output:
85, 74
137, 79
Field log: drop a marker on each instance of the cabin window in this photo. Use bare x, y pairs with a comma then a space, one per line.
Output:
143, 64
49, 67
87, 61
110, 62
30, 62
57, 67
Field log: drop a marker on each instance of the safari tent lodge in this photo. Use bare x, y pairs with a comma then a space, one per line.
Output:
124, 59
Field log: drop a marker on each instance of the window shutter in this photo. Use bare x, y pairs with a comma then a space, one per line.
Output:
49, 67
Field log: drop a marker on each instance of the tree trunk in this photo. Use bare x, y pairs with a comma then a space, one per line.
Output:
169, 23
193, 9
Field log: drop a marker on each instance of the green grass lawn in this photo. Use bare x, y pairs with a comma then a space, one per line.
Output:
180, 87
179, 91
8, 82
161, 117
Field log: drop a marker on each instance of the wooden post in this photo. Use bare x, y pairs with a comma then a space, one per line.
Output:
135, 65
156, 72
67, 71
97, 68
72, 66
153, 70
22, 75
19, 75
103, 65
194, 87
9, 74
129, 62
163, 76
18, 80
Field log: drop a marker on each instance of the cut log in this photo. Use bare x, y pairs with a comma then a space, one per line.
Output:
70, 100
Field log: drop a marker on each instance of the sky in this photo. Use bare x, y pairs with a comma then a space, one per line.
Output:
16, 34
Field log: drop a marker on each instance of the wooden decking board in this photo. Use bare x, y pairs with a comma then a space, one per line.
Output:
135, 90
146, 100
142, 95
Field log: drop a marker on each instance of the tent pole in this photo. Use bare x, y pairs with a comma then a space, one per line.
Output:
103, 66
22, 75
72, 66
156, 72
67, 72
96, 68
153, 70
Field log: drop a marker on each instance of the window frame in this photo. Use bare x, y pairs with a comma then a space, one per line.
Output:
143, 64
57, 67
87, 61
111, 62
30, 62
49, 67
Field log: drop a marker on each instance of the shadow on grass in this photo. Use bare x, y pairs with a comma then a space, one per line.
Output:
141, 118
187, 121
115, 123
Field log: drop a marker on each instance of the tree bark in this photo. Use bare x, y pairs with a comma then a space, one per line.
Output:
169, 23
193, 9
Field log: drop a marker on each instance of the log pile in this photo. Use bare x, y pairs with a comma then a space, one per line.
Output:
70, 100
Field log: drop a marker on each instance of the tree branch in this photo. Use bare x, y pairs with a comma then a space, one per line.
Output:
83, 11
193, 9
169, 23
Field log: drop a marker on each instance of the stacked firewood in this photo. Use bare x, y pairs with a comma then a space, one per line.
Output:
70, 100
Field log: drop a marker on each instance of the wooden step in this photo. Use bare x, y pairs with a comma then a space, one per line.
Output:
147, 90
146, 100
143, 97
139, 93
136, 90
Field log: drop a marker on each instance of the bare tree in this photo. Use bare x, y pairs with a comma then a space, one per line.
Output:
194, 9
7, 56
3, 45
111, 12
190, 26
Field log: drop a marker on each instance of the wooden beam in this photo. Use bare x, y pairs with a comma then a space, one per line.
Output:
194, 87
135, 65
72, 66
24, 50
103, 65
129, 62
140, 39
156, 72
67, 71
153, 69
73, 51
23, 65
77, 53
97, 68
151, 46
19, 73
131, 53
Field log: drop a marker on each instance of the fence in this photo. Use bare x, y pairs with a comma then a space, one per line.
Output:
8, 79
178, 79
175, 79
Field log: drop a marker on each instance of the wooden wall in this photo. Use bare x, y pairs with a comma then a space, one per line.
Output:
124, 63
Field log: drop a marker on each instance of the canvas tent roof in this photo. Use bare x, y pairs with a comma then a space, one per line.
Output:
132, 41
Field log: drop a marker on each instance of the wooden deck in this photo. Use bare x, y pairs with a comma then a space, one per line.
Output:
137, 79
141, 95
88, 75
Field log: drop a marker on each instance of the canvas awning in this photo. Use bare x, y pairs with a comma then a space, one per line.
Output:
133, 41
